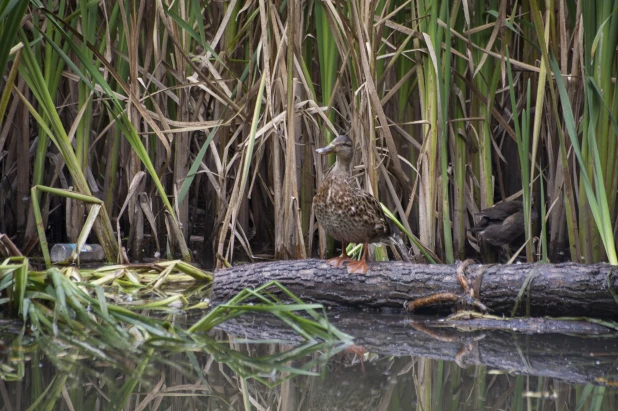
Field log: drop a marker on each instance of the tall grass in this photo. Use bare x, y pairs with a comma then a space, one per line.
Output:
172, 89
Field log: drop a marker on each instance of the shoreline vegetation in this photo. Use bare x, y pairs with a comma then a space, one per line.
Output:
186, 131
189, 130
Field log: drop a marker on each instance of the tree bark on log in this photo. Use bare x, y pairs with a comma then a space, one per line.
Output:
556, 290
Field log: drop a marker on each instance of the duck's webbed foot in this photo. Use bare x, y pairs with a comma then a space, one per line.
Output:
359, 267
342, 259
339, 261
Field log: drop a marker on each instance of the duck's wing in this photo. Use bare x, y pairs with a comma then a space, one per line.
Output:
480, 226
366, 210
501, 211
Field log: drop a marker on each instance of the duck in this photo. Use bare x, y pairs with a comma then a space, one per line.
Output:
501, 224
349, 214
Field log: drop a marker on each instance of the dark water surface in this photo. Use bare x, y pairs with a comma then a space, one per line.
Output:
397, 363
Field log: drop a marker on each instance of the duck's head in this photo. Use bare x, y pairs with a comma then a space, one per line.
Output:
342, 147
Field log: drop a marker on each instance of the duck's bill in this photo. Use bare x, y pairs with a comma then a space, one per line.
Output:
326, 150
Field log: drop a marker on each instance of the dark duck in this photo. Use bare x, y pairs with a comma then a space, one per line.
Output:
349, 214
502, 223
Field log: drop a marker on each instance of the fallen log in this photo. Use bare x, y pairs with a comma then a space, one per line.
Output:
556, 290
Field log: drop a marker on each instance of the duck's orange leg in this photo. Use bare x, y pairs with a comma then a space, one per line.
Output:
360, 266
342, 259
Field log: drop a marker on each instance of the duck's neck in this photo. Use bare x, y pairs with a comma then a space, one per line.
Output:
341, 168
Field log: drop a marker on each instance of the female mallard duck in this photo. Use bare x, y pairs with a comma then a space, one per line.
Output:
502, 223
349, 214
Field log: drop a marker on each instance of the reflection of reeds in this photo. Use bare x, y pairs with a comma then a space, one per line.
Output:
72, 321
173, 91
179, 381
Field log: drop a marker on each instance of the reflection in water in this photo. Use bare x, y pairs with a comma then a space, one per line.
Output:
59, 374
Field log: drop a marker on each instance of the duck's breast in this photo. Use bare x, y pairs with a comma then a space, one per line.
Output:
349, 214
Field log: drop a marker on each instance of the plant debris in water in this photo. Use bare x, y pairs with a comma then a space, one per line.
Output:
69, 320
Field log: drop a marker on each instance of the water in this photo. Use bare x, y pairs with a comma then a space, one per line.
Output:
398, 363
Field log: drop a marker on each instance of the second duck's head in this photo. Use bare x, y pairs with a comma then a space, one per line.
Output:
342, 147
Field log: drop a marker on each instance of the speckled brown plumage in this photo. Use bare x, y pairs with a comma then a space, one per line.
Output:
502, 223
349, 214
346, 212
